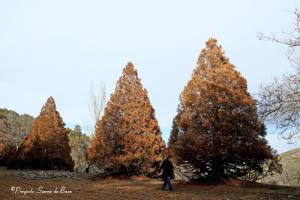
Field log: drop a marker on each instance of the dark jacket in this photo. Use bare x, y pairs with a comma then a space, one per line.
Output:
167, 168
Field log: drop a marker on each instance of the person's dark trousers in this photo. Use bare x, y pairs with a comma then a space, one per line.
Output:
167, 181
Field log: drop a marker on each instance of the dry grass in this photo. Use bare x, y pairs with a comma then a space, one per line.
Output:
136, 188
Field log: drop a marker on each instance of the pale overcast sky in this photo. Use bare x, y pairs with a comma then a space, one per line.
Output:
58, 47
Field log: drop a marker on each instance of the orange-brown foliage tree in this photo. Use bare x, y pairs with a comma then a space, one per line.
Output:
217, 129
7, 147
128, 139
47, 145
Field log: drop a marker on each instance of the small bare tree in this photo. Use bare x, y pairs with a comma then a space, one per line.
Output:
97, 101
279, 102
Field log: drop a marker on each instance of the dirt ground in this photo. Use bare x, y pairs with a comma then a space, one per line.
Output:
12, 187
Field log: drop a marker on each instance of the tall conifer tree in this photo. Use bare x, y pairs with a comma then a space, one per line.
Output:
217, 129
47, 145
128, 139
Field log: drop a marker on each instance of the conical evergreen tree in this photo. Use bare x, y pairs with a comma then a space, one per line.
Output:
217, 129
47, 145
128, 139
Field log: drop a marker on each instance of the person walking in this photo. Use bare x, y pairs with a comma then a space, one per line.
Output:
167, 174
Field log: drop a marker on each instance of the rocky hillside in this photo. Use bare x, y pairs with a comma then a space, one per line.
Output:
14, 125
290, 176
13, 129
